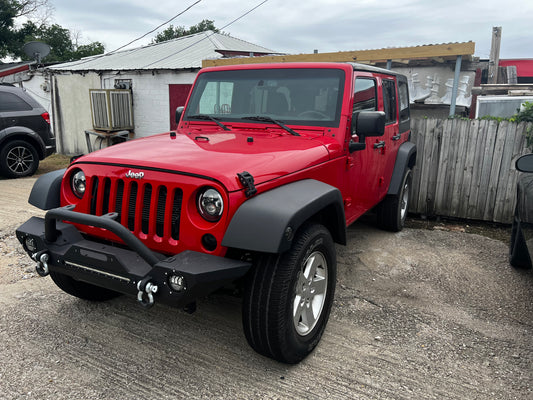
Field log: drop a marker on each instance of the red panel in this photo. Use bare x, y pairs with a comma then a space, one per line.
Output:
14, 70
524, 67
177, 97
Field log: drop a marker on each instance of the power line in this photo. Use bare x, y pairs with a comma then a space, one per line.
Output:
156, 28
207, 36
133, 41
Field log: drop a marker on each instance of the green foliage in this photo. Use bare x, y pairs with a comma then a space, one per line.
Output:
8, 12
12, 39
526, 115
175, 32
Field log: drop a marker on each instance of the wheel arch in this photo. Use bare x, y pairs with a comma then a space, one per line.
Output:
25, 134
406, 158
268, 222
45, 193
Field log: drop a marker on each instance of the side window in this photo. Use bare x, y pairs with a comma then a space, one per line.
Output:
389, 101
11, 102
365, 95
404, 100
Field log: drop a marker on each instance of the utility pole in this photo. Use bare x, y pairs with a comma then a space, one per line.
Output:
494, 60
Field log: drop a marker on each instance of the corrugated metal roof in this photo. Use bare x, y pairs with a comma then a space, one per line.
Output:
182, 53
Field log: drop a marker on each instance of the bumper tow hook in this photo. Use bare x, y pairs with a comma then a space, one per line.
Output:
145, 296
42, 263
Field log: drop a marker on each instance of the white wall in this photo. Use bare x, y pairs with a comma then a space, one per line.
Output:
151, 112
71, 107
36, 86
71, 110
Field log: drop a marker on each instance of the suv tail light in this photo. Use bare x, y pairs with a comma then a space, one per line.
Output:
46, 117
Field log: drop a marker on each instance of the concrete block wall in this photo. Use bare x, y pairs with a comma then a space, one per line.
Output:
150, 98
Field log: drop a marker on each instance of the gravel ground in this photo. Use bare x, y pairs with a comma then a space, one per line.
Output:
421, 314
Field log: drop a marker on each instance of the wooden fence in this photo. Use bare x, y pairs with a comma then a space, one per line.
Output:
465, 168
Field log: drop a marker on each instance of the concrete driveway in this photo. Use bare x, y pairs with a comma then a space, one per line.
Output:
418, 315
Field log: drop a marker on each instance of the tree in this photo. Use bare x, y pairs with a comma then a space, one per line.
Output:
175, 32
8, 13
36, 29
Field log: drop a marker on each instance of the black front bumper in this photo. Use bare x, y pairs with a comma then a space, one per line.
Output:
134, 270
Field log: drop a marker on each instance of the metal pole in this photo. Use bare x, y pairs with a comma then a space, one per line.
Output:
389, 64
455, 84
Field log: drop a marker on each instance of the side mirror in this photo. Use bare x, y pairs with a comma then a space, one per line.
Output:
525, 163
369, 123
366, 123
179, 111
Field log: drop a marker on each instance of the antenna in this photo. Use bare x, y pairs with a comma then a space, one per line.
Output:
36, 50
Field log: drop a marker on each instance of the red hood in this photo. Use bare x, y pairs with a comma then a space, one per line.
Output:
220, 155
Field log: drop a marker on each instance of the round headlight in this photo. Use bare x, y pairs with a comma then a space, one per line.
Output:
210, 204
78, 183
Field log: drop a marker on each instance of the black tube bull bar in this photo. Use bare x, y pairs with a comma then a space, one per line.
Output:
177, 280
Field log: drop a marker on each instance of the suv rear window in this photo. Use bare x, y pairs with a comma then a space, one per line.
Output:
389, 101
11, 102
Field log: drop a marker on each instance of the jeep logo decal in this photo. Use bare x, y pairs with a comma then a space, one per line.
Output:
136, 175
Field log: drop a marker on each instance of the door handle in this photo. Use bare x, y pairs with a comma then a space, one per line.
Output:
379, 144
397, 137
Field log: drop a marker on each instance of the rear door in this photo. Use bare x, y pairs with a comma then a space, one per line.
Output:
366, 167
13, 109
391, 138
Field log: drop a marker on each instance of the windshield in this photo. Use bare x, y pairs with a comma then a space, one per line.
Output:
292, 96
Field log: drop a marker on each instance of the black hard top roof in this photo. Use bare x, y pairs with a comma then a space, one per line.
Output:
370, 68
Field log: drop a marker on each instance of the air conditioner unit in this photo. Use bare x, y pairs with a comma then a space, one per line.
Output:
111, 109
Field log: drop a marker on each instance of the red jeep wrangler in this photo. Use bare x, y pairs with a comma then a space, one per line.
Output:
268, 166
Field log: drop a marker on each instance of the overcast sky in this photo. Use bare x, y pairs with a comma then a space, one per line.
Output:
301, 26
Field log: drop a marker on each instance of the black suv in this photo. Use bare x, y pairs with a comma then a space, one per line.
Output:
25, 134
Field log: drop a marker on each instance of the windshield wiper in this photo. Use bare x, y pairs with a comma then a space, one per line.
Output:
263, 118
210, 118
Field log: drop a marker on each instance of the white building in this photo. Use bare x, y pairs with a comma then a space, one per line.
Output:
158, 75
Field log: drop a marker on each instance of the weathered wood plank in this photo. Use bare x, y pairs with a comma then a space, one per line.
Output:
489, 128
466, 169
415, 184
494, 173
433, 167
479, 151
459, 172
444, 156
425, 140
509, 131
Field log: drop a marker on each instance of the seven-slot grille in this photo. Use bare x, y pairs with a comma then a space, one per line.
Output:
142, 207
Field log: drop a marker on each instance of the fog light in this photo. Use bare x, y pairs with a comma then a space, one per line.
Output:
209, 242
30, 244
177, 283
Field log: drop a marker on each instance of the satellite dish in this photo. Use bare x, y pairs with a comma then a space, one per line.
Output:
36, 50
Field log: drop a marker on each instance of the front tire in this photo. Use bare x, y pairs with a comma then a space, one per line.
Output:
80, 289
288, 297
18, 159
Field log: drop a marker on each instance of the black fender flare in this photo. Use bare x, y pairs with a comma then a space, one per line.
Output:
45, 191
406, 158
267, 222
24, 133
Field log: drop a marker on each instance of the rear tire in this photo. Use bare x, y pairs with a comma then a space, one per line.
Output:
80, 289
392, 212
288, 297
18, 159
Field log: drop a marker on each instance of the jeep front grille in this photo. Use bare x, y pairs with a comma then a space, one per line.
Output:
142, 207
